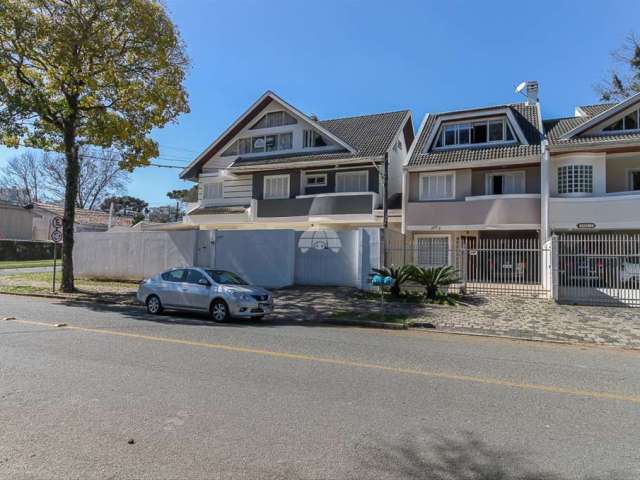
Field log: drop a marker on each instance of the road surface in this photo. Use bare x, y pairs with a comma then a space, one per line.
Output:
120, 394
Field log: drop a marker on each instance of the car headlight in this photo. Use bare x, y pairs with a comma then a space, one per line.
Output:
242, 297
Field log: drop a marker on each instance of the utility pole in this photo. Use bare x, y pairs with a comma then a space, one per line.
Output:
110, 214
385, 209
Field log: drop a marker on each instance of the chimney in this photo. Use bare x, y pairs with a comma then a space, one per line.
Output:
532, 92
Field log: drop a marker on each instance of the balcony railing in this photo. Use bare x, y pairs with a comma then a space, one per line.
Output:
515, 211
322, 205
611, 211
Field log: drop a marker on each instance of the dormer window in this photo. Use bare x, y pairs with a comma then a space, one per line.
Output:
274, 119
628, 122
474, 133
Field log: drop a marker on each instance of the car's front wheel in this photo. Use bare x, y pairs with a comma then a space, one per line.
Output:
154, 306
219, 311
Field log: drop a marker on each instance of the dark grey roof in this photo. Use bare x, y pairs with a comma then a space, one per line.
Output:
369, 135
555, 128
525, 115
592, 110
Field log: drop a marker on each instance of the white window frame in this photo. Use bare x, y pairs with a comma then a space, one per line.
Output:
623, 130
210, 184
630, 172
421, 192
273, 177
506, 126
429, 235
352, 172
488, 182
324, 182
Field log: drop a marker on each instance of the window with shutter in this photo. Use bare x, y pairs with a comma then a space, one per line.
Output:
276, 186
213, 191
437, 186
352, 181
432, 251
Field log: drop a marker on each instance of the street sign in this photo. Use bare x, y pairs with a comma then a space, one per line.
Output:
56, 236
56, 222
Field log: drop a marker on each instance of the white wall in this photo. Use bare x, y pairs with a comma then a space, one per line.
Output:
396, 160
132, 255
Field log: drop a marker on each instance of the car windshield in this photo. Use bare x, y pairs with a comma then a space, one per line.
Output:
225, 278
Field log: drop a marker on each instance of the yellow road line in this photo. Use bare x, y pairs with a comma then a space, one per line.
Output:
349, 363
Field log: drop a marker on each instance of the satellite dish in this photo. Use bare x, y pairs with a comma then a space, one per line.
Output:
521, 87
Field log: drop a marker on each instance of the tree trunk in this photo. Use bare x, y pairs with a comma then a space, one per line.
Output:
72, 172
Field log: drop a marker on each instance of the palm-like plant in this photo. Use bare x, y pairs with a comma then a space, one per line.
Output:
399, 274
433, 279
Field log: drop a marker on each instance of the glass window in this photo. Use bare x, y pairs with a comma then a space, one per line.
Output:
225, 278
244, 145
285, 141
575, 179
432, 251
174, 276
484, 131
316, 179
312, 139
194, 276
257, 145
479, 133
213, 191
274, 119
271, 143
352, 181
496, 131
232, 150
436, 186
276, 186
505, 183
628, 122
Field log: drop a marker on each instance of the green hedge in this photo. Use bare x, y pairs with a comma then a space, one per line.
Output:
26, 250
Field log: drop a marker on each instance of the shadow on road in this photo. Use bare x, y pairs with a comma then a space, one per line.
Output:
463, 458
438, 457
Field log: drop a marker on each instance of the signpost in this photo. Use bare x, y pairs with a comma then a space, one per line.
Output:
55, 236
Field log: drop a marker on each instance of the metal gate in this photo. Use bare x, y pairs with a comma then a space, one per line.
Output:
598, 269
513, 266
494, 266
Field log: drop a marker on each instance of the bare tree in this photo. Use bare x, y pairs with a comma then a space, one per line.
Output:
624, 81
24, 173
100, 176
42, 177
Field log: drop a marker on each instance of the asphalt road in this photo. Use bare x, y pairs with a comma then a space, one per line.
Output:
239, 400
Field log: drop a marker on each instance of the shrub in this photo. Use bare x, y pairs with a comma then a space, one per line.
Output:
434, 279
399, 274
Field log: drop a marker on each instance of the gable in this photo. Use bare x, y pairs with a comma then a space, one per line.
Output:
607, 121
250, 120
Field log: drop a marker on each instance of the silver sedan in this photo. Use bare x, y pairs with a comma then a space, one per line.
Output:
221, 293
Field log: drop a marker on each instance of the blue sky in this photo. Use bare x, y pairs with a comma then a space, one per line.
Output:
349, 57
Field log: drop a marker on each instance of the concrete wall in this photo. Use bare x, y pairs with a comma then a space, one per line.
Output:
509, 210
270, 258
263, 257
15, 223
132, 255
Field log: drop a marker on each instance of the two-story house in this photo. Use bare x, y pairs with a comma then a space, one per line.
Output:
594, 168
276, 167
473, 174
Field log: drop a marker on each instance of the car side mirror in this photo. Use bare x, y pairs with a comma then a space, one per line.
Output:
204, 282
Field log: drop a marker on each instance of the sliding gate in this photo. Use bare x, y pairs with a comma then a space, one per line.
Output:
598, 269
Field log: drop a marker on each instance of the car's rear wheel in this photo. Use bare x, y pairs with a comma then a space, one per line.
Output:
154, 306
219, 311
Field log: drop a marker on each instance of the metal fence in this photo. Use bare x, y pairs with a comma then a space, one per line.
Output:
513, 266
598, 269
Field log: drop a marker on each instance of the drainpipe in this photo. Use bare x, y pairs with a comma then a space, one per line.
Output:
545, 169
